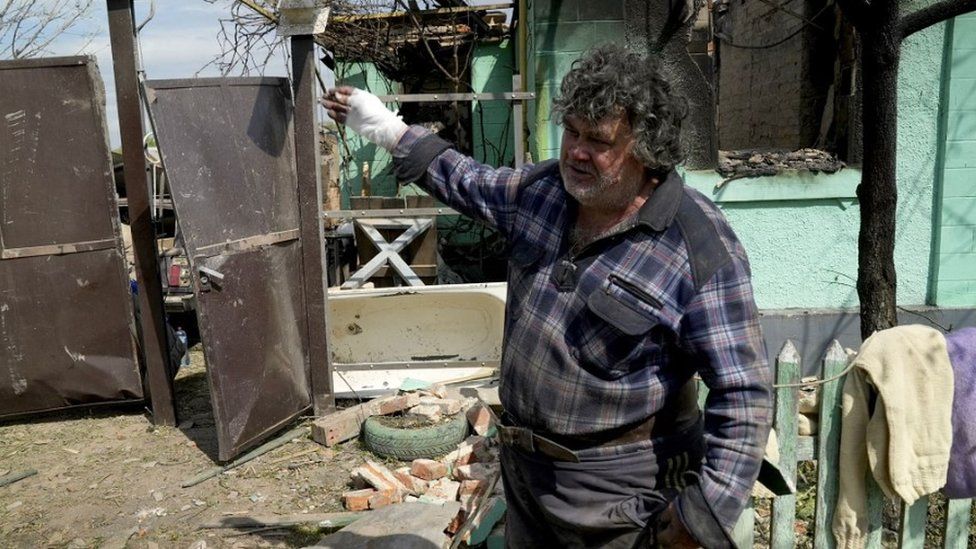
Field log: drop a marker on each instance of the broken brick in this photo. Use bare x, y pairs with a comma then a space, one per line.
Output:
381, 499
472, 449
474, 471
479, 416
398, 403
444, 488
346, 424
428, 469
430, 411
415, 486
381, 478
456, 522
357, 500
472, 487
447, 406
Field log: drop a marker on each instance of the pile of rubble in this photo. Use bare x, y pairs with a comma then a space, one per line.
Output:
467, 478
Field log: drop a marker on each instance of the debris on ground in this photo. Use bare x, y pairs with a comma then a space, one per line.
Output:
17, 476
464, 479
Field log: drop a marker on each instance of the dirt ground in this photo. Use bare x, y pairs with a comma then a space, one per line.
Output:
109, 478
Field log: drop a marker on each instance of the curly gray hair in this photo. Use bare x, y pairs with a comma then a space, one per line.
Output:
609, 80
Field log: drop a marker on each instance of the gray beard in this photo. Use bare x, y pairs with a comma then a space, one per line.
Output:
607, 195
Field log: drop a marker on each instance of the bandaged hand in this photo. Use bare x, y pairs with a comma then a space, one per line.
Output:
365, 114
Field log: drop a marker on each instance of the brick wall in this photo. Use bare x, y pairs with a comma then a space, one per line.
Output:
773, 97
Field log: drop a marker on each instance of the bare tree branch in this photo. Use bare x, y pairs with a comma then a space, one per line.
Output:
28, 28
857, 11
936, 13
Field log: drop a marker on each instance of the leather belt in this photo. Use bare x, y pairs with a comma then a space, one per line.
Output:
679, 412
527, 441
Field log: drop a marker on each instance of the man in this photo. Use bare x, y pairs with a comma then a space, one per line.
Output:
623, 284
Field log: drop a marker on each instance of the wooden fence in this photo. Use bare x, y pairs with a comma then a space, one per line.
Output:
824, 448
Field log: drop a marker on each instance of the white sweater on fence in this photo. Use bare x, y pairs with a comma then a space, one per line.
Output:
905, 439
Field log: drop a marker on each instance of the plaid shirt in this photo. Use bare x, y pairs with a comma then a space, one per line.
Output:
598, 340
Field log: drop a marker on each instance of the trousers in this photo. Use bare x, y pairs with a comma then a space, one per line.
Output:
607, 499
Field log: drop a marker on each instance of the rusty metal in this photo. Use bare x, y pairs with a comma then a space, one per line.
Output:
152, 317
65, 308
308, 171
226, 145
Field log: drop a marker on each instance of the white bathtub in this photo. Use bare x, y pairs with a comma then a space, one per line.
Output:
380, 337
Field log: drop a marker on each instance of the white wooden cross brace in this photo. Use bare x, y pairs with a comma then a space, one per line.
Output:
389, 252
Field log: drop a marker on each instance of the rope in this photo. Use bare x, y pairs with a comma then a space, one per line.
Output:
814, 383
817, 382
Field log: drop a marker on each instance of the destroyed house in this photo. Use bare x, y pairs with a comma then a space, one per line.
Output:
778, 93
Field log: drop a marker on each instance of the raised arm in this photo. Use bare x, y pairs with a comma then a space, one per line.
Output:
474, 189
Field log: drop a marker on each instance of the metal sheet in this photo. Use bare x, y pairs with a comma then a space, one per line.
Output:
53, 176
227, 148
66, 319
65, 336
227, 144
256, 355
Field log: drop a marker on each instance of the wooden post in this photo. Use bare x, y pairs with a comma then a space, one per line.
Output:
783, 534
151, 318
518, 120
307, 166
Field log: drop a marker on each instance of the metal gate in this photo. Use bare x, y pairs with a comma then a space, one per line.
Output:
66, 321
228, 151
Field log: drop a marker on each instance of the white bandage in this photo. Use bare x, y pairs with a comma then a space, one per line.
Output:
371, 119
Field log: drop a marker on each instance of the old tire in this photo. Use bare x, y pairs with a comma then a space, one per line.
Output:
409, 444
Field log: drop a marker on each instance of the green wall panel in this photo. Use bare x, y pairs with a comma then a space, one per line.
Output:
491, 122
956, 245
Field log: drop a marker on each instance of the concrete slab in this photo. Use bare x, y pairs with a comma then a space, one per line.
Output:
401, 526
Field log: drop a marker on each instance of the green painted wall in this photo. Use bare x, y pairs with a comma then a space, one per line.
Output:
560, 30
956, 205
801, 237
365, 76
491, 121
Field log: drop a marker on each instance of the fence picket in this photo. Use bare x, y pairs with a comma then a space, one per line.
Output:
912, 533
825, 448
744, 532
875, 511
783, 532
828, 446
957, 523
